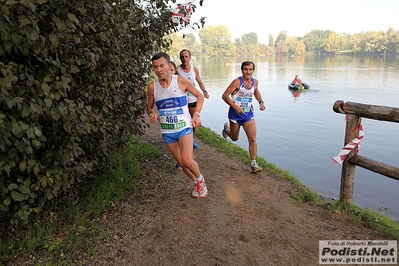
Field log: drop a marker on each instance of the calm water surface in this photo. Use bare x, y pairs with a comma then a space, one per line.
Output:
300, 133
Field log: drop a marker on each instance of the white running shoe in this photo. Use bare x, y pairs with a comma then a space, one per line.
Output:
225, 129
256, 168
200, 189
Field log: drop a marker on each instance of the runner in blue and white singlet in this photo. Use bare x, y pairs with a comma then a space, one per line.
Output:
172, 107
168, 93
239, 95
243, 99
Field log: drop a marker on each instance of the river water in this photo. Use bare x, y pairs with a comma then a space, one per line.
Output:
300, 133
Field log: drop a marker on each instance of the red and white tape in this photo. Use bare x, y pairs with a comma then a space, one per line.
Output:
341, 107
349, 147
182, 12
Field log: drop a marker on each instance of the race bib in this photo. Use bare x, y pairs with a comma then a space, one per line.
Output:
244, 102
172, 119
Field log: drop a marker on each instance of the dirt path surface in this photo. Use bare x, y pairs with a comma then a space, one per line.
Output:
247, 219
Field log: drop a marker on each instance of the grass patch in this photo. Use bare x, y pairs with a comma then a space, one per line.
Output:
69, 223
380, 223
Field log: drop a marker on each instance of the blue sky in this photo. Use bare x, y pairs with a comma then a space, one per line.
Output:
297, 17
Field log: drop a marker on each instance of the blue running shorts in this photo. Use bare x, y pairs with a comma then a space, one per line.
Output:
174, 137
240, 119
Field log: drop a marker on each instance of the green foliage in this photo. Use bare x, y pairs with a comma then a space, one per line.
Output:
315, 40
180, 42
371, 42
67, 223
216, 41
250, 44
72, 89
294, 46
250, 39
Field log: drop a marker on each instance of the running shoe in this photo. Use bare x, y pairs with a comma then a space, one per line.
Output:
225, 129
256, 168
195, 145
200, 190
178, 167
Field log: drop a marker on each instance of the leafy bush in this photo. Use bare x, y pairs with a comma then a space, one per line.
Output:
71, 91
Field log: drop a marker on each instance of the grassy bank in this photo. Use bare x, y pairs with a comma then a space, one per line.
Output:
71, 224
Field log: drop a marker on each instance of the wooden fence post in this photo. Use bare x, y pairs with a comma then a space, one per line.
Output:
354, 112
348, 170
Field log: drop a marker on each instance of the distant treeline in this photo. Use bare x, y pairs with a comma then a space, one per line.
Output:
217, 41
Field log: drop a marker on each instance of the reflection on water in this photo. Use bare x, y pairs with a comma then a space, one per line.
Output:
296, 93
300, 132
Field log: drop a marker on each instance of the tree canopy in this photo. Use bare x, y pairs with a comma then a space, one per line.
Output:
216, 41
72, 90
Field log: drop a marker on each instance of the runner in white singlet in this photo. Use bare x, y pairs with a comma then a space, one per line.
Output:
185, 69
168, 93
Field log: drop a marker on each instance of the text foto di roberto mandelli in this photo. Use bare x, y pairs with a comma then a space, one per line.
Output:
364, 251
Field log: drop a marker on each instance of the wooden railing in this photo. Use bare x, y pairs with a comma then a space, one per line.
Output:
355, 112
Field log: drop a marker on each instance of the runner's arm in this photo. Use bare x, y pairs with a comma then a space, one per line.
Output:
200, 83
258, 96
229, 91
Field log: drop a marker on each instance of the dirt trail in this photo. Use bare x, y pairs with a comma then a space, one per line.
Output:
247, 219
